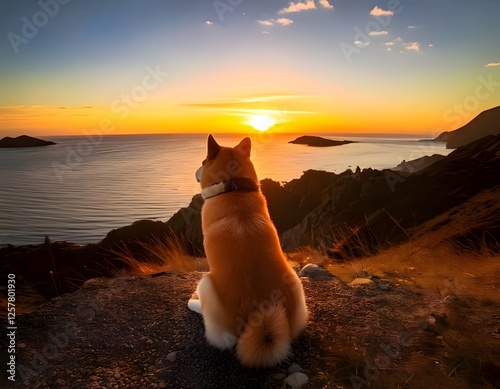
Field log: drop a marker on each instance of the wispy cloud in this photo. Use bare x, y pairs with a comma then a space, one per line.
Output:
298, 7
377, 33
284, 21
411, 27
325, 4
400, 44
361, 43
269, 22
412, 46
209, 22
492, 64
267, 105
272, 22
377, 11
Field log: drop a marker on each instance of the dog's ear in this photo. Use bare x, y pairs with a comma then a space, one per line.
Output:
212, 147
244, 147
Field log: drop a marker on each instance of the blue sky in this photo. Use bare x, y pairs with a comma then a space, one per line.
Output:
329, 65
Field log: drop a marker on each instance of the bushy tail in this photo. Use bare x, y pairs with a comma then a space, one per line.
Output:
265, 340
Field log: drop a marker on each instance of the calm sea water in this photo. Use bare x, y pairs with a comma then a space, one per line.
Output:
81, 188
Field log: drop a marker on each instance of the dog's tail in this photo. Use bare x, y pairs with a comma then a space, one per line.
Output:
265, 340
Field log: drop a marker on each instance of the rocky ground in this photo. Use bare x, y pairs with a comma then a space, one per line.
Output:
137, 332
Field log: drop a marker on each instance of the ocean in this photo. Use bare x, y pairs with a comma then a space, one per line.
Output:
81, 188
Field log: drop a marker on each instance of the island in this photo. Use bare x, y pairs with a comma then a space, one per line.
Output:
23, 141
317, 141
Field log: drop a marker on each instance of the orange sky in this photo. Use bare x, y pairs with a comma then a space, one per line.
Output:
328, 67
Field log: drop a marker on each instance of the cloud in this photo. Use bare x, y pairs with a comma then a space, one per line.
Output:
412, 46
264, 32
361, 43
492, 64
208, 22
280, 21
413, 26
377, 11
430, 45
377, 33
284, 21
325, 4
269, 22
298, 7
400, 44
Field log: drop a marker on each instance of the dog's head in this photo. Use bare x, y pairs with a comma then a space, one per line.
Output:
224, 163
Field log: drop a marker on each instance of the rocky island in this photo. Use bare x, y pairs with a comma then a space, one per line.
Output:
23, 141
317, 141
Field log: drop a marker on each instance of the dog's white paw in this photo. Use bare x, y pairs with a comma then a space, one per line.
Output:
194, 305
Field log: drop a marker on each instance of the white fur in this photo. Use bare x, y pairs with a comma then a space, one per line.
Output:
212, 310
195, 305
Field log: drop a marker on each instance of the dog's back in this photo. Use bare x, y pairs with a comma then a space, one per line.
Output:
261, 298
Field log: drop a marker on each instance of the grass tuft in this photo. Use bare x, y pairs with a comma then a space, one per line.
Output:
157, 255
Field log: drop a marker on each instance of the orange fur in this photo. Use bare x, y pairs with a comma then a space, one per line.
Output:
259, 296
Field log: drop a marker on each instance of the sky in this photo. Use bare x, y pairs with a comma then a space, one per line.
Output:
70, 67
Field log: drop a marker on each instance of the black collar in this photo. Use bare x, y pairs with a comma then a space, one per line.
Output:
237, 183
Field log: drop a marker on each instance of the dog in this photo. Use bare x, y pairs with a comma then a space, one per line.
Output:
251, 298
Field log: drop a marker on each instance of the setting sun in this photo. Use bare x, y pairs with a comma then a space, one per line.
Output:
261, 122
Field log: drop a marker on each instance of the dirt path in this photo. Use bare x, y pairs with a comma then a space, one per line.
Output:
137, 332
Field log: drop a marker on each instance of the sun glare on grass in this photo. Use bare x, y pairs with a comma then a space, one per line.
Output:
261, 122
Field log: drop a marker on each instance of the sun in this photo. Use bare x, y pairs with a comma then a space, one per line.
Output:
261, 122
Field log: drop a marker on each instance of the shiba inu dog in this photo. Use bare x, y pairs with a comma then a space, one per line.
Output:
251, 298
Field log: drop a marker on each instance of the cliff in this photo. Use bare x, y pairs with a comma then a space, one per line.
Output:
486, 123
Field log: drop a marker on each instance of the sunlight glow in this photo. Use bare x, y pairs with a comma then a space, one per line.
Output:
261, 122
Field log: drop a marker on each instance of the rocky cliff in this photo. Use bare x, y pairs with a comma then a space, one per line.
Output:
486, 123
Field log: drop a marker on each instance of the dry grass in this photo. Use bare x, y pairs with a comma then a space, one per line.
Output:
158, 255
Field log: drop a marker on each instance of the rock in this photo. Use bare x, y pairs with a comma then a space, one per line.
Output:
296, 381
314, 271
316, 141
137, 231
294, 368
23, 141
361, 282
418, 164
172, 356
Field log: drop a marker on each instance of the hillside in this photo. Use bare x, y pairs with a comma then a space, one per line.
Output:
134, 332
486, 123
